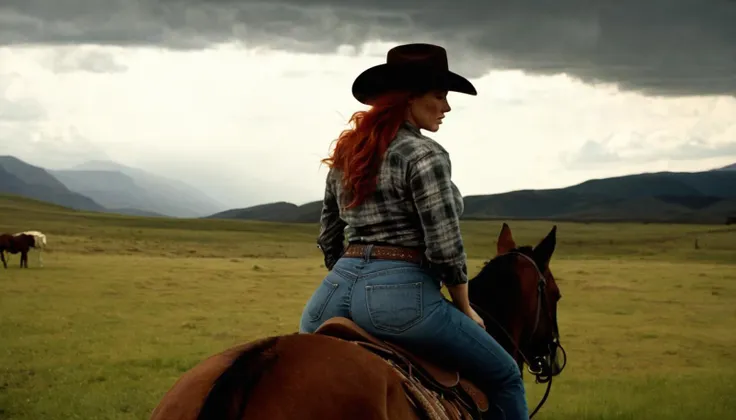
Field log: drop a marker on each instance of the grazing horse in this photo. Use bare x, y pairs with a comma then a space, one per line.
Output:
16, 244
342, 372
40, 242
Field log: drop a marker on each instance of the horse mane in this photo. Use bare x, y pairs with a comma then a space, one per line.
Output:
239, 379
501, 264
496, 288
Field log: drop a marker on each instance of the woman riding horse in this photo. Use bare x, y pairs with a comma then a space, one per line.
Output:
389, 191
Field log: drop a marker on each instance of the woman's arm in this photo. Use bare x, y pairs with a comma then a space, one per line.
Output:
459, 293
331, 238
431, 188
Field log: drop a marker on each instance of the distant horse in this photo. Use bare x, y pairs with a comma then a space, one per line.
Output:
40, 242
342, 372
16, 244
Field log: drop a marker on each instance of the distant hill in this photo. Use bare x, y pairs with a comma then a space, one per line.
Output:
112, 189
105, 187
698, 197
274, 212
136, 212
133, 190
731, 167
20, 178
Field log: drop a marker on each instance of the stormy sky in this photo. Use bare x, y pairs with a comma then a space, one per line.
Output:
256, 91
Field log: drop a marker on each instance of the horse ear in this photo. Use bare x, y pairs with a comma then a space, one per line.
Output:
505, 240
546, 247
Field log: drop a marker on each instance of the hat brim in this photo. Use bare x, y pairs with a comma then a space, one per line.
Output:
386, 78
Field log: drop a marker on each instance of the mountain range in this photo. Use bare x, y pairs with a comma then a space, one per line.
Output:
104, 186
135, 191
676, 197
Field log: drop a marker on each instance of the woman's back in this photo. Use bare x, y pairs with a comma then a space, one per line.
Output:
415, 204
390, 214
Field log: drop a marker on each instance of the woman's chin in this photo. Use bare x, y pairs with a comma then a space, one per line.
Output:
433, 127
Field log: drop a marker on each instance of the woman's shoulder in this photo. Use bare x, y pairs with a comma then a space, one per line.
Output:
410, 144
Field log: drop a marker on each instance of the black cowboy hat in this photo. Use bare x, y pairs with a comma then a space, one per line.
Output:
413, 67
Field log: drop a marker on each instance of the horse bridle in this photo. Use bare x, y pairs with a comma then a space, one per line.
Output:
538, 366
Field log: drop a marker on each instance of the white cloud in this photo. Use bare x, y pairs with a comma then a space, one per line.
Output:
86, 58
250, 125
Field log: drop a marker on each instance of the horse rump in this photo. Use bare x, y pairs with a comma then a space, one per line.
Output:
230, 392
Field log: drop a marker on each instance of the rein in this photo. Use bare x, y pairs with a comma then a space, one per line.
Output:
540, 369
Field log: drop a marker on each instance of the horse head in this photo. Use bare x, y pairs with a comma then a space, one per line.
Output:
516, 295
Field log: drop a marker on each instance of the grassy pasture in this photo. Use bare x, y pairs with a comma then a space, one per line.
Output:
125, 305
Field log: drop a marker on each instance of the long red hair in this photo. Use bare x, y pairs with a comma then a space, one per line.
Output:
359, 151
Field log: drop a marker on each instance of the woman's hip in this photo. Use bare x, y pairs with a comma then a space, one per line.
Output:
393, 296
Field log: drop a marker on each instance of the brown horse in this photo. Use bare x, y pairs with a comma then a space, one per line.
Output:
341, 372
15, 244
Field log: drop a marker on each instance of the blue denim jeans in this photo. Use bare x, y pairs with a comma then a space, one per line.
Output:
400, 302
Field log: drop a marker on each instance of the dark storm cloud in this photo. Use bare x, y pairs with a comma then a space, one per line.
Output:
668, 47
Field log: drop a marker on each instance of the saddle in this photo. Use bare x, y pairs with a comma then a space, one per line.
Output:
440, 393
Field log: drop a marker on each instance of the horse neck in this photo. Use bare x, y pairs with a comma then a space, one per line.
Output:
500, 310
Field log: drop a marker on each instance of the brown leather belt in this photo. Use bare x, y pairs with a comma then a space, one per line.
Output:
383, 252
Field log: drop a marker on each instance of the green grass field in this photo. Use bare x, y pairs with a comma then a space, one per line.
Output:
125, 305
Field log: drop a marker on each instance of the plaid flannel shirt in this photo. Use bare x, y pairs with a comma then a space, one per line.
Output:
415, 205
